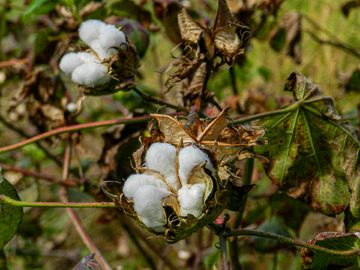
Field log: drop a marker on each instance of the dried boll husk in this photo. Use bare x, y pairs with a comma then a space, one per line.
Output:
197, 195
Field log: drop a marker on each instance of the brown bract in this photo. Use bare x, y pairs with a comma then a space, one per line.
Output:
226, 39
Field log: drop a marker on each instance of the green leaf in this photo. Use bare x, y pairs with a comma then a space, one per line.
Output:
10, 216
278, 41
335, 241
313, 156
236, 195
39, 7
87, 263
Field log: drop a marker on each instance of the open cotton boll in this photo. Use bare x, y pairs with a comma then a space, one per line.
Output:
191, 199
91, 30
137, 180
148, 204
189, 157
111, 37
161, 157
71, 61
91, 75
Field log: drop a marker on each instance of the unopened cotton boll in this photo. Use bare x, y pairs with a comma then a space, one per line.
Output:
148, 204
191, 199
137, 180
161, 157
190, 157
71, 61
111, 37
91, 75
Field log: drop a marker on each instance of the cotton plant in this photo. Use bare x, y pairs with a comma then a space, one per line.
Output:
178, 188
108, 66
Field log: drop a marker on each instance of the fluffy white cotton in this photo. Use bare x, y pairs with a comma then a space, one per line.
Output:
91, 30
161, 157
191, 199
91, 74
148, 204
111, 37
71, 61
189, 157
137, 180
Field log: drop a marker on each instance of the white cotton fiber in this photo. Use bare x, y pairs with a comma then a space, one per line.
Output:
137, 180
91, 30
148, 204
71, 61
161, 157
189, 157
91, 75
191, 199
111, 37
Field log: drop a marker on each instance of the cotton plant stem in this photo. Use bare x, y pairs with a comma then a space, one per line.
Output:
223, 252
234, 248
247, 181
12, 202
38, 175
160, 102
240, 232
23, 134
83, 234
246, 119
80, 127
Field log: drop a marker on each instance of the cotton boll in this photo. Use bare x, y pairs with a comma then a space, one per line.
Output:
137, 180
191, 199
161, 157
172, 181
190, 157
91, 30
148, 204
69, 62
111, 37
91, 75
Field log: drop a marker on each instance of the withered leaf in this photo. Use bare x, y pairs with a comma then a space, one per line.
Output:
87, 263
331, 240
313, 156
236, 195
189, 28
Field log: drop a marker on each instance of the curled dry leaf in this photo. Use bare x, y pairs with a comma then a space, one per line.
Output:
226, 39
216, 144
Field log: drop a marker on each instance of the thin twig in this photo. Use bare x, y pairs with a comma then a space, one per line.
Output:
12, 202
160, 102
38, 175
73, 216
83, 234
79, 127
23, 134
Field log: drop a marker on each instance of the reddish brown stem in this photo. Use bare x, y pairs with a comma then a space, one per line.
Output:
38, 175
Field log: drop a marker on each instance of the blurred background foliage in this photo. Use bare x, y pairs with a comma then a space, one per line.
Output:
318, 38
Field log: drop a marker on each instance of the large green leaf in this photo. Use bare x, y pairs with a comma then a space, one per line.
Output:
335, 241
313, 156
10, 216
